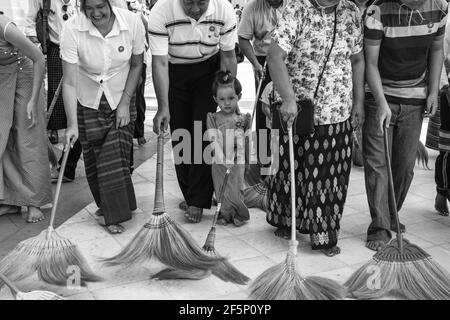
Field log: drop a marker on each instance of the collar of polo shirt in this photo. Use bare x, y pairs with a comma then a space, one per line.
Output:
119, 24
180, 11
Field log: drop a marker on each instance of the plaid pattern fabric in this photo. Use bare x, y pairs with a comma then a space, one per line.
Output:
322, 170
58, 118
24, 169
106, 153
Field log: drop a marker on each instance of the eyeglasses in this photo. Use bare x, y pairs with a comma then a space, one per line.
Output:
65, 15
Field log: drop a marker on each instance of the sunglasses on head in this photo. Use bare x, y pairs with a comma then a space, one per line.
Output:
65, 15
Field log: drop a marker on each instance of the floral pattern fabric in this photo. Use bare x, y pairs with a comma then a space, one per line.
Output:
305, 33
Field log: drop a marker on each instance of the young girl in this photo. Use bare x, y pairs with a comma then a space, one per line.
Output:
226, 129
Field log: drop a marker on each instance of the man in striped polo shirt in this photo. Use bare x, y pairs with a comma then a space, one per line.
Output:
404, 56
190, 40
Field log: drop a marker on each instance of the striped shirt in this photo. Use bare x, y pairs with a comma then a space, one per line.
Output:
186, 40
405, 37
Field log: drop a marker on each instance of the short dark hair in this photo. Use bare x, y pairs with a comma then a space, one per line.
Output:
225, 78
83, 5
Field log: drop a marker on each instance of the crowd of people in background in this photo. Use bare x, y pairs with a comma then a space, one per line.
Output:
370, 67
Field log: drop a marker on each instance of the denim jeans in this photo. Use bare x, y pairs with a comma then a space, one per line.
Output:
404, 134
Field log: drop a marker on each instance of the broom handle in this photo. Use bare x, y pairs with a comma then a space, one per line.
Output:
55, 98
159, 207
292, 169
257, 94
392, 200
221, 194
58, 189
11, 285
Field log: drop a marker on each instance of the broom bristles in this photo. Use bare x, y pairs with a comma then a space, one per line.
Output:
419, 280
228, 273
283, 282
50, 258
172, 274
210, 239
164, 239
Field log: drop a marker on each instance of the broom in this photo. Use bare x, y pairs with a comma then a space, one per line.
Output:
48, 253
32, 295
400, 267
224, 270
282, 281
162, 237
252, 174
51, 153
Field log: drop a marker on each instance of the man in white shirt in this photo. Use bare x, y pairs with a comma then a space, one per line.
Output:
190, 40
60, 12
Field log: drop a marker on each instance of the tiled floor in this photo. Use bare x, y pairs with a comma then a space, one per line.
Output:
252, 248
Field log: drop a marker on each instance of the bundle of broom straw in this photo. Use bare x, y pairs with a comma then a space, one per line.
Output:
282, 281
224, 270
164, 239
32, 295
48, 253
400, 267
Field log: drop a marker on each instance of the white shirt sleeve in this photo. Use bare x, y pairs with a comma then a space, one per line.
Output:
138, 37
158, 36
228, 34
246, 29
69, 42
30, 19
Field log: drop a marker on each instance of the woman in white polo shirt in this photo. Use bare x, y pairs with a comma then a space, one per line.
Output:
102, 51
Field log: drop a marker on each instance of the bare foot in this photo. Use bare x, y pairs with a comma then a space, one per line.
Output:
34, 215
284, 233
440, 204
115, 228
238, 223
222, 222
6, 208
331, 252
394, 227
194, 214
375, 245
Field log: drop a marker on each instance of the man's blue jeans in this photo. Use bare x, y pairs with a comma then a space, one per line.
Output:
404, 134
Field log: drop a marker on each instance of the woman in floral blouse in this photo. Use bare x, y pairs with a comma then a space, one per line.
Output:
300, 45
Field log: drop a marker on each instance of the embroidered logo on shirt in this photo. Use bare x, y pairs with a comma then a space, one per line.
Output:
121, 48
430, 27
212, 28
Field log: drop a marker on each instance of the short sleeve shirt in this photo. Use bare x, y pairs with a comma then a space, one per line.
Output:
305, 33
256, 28
185, 40
103, 63
405, 37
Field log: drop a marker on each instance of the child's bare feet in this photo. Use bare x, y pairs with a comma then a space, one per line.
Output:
222, 222
34, 215
238, 223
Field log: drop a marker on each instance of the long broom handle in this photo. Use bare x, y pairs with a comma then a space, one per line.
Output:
258, 90
392, 199
292, 169
55, 98
11, 285
159, 207
58, 190
221, 194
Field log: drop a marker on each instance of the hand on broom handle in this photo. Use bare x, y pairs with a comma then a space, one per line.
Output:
293, 242
159, 207
58, 189
392, 199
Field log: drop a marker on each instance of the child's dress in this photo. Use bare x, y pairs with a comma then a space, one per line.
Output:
233, 208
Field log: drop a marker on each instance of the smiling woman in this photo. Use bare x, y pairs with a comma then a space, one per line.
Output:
102, 51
